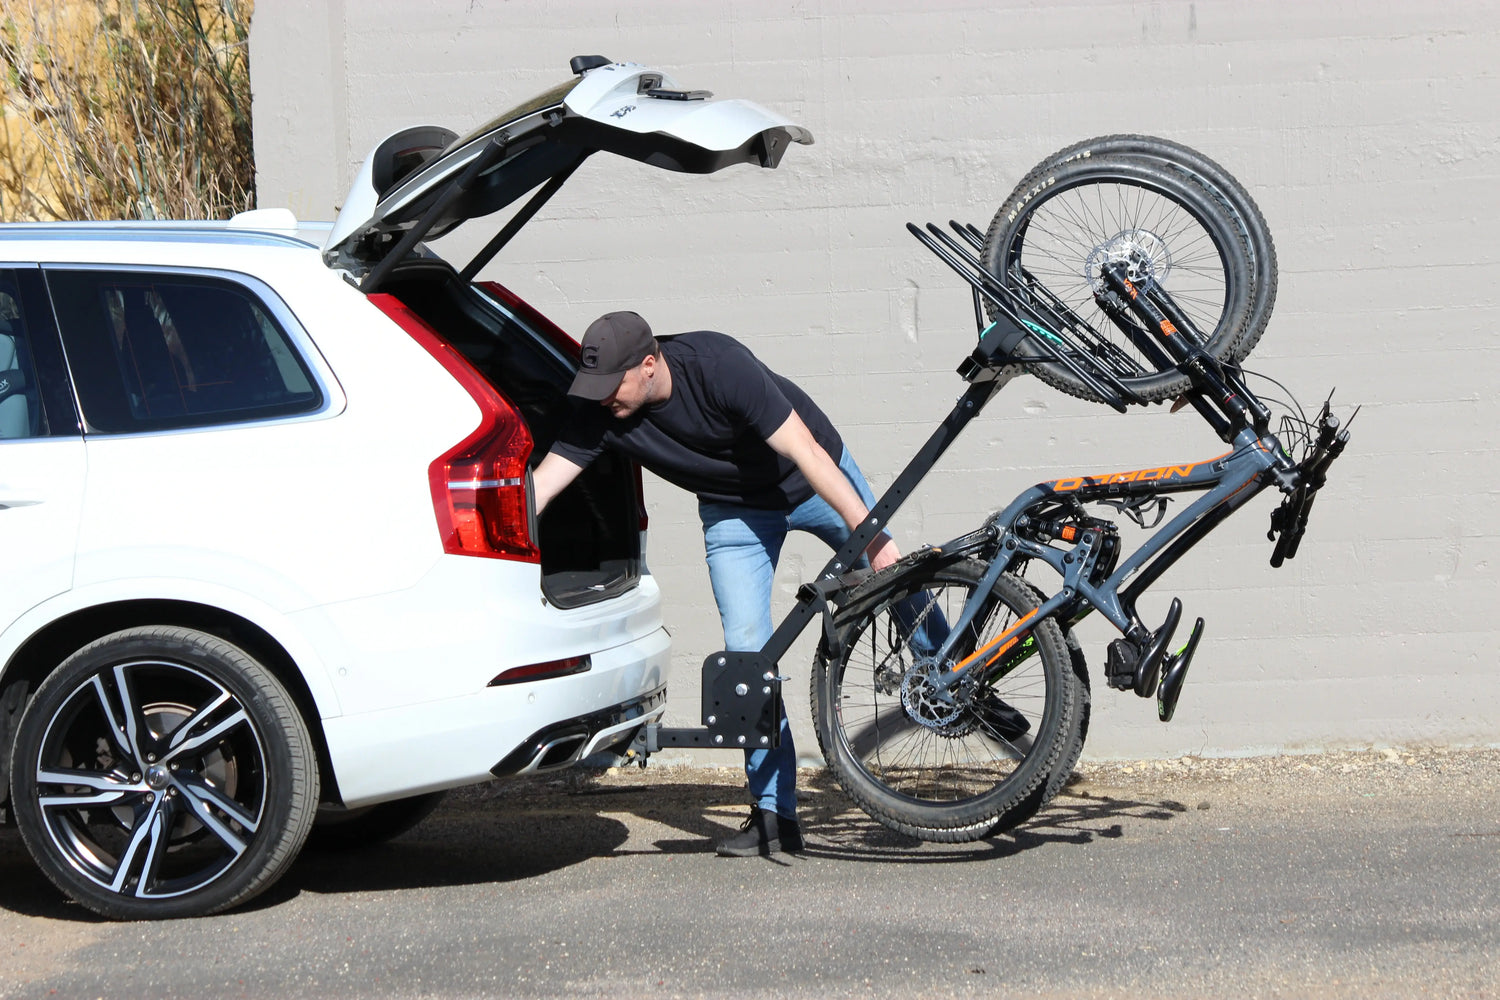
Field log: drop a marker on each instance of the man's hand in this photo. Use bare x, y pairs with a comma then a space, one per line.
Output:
882, 552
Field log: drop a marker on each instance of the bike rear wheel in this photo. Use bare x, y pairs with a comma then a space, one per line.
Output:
934, 770
1069, 216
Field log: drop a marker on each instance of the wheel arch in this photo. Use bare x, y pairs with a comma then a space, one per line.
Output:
41, 653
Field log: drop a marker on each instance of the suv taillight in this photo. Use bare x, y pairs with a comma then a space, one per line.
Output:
478, 485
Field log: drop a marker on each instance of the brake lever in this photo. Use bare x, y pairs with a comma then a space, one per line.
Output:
1289, 521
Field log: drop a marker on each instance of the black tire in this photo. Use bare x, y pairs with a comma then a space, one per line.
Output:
951, 777
1066, 216
162, 772
1078, 734
338, 829
1260, 248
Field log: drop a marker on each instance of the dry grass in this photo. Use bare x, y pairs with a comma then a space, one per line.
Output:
134, 109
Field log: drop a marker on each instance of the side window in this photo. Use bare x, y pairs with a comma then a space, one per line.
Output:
154, 351
20, 406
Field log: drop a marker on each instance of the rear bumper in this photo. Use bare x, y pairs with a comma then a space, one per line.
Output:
567, 742
432, 745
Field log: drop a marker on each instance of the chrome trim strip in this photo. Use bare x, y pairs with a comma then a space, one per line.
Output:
534, 765
481, 484
155, 232
640, 720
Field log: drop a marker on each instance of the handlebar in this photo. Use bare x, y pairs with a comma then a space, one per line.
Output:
1290, 519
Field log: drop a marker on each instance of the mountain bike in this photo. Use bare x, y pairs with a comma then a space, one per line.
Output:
950, 696
1125, 270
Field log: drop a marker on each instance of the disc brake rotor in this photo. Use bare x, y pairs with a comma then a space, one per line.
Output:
1144, 254
927, 706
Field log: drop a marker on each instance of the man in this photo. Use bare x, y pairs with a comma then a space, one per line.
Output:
702, 412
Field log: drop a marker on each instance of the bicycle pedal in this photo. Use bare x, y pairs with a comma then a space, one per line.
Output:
1148, 670
1174, 673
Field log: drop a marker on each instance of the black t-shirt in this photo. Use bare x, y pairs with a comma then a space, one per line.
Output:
709, 437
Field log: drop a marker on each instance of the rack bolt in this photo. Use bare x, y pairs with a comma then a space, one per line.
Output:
741, 689
742, 739
765, 741
722, 661
766, 689
718, 739
712, 719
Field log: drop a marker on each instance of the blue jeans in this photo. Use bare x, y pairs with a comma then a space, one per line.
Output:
742, 545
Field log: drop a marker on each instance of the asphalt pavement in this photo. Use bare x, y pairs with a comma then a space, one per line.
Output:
1372, 874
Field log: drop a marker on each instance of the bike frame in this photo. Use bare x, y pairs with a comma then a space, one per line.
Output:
1227, 482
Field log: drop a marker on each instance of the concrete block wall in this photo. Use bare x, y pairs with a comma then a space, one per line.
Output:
1369, 132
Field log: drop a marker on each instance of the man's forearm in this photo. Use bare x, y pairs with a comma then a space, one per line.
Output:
796, 442
551, 477
830, 483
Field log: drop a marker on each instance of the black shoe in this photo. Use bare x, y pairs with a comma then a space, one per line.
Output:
763, 833
999, 718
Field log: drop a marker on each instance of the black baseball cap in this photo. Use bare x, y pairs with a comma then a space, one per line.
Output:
612, 345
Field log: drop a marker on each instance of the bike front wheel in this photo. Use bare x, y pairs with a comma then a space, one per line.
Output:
1070, 216
946, 769
1243, 212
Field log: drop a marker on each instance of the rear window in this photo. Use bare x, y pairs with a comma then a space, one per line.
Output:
153, 351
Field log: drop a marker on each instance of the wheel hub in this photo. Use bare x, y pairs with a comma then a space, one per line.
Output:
1144, 254
929, 706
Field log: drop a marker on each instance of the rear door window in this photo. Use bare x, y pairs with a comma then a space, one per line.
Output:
35, 400
162, 350
17, 374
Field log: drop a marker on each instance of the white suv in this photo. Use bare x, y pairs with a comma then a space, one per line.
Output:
269, 550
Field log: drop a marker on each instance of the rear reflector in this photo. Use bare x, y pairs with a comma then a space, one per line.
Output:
479, 485
539, 671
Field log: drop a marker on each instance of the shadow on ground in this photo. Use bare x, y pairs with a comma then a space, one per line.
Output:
836, 829
523, 828
520, 829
